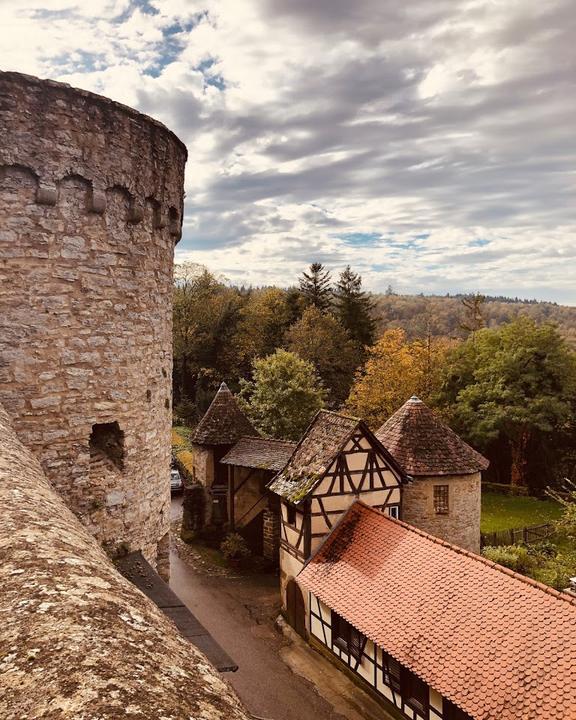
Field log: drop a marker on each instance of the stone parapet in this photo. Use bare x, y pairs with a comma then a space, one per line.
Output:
77, 640
56, 132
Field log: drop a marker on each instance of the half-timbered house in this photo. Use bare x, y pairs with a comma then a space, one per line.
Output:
444, 495
337, 460
435, 631
220, 428
253, 510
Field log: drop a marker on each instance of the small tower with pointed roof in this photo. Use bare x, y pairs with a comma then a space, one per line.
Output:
221, 427
444, 496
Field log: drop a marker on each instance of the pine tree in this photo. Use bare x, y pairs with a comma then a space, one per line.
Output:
315, 287
355, 307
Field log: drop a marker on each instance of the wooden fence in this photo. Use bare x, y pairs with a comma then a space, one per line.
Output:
533, 533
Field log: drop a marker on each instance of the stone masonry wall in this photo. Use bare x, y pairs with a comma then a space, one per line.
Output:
77, 640
271, 531
91, 196
461, 526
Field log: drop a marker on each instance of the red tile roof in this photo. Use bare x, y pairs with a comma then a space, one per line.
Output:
497, 644
423, 445
260, 453
223, 423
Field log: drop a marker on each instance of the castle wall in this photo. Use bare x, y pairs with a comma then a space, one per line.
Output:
78, 640
91, 197
461, 524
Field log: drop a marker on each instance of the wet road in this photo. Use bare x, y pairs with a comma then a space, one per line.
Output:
239, 612
263, 681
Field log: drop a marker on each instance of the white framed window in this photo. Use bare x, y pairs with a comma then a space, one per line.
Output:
393, 511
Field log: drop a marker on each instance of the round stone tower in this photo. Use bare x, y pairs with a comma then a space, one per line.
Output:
91, 196
444, 496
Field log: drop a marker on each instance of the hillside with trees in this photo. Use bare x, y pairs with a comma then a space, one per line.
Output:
445, 315
501, 372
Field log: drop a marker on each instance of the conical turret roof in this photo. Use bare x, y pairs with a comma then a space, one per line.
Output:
223, 423
423, 445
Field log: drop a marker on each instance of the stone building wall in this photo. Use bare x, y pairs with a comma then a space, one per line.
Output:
91, 196
204, 475
461, 526
77, 640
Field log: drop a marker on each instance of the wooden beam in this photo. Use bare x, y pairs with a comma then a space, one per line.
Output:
231, 520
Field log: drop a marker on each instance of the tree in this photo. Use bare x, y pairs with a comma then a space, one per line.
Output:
396, 368
473, 319
264, 320
323, 341
355, 308
516, 382
283, 396
315, 287
206, 313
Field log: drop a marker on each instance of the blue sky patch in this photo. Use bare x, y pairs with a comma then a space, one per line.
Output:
360, 239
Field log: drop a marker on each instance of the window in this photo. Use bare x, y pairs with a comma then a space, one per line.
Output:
393, 511
453, 712
441, 499
346, 637
414, 691
391, 671
107, 439
290, 515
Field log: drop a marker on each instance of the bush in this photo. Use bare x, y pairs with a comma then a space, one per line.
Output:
514, 557
234, 547
545, 549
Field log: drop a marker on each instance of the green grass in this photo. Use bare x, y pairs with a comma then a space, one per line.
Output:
503, 512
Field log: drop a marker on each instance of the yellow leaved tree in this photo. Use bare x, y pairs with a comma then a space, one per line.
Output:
396, 369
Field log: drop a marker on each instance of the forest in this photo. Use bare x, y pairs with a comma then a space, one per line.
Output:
500, 371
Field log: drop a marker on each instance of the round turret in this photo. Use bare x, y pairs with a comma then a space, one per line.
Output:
444, 495
91, 197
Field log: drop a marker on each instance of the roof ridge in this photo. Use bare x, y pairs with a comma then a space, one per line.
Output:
265, 439
462, 551
339, 414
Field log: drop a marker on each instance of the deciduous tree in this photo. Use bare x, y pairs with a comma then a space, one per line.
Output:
514, 381
283, 396
206, 314
396, 368
323, 341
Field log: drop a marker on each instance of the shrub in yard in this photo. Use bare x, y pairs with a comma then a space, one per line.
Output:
545, 549
514, 557
234, 547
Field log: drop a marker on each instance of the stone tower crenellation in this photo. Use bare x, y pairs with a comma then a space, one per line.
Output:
91, 200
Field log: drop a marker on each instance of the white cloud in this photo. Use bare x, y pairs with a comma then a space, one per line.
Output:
309, 123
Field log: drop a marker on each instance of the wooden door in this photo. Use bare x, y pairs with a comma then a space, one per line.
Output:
295, 608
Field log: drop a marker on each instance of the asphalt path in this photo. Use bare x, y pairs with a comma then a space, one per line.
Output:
263, 681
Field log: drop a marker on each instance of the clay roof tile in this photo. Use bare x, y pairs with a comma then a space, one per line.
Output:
224, 422
497, 644
423, 445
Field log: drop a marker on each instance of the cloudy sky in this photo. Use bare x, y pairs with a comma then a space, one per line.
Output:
431, 145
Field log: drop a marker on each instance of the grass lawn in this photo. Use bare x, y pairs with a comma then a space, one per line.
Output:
502, 512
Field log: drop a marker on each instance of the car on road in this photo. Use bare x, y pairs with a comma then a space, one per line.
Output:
176, 484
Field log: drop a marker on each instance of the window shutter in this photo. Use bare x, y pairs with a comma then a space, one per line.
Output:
357, 643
